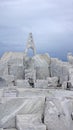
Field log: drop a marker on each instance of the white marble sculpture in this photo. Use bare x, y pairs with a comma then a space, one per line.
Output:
36, 93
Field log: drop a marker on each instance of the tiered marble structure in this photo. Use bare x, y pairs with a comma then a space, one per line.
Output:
35, 92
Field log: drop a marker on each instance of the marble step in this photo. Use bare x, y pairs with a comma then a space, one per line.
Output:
29, 122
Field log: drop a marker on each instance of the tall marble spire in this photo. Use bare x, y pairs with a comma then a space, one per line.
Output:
30, 44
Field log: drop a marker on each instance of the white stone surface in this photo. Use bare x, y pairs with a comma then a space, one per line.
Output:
59, 69
71, 76
22, 83
2, 82
1, 128
70, 58
52, 81
10, 92
29, 121
58, 114
34, 92
31, 127
30, 74
13, 106
10, 129
1, 92
9, 79
17, 71
70, 73
64, 85
41, 84
42, 65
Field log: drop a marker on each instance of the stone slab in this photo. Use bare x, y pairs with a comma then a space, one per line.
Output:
41, 84
58, 114
13, 106
22, 83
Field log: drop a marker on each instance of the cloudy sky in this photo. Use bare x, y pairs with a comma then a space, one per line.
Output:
50, 21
